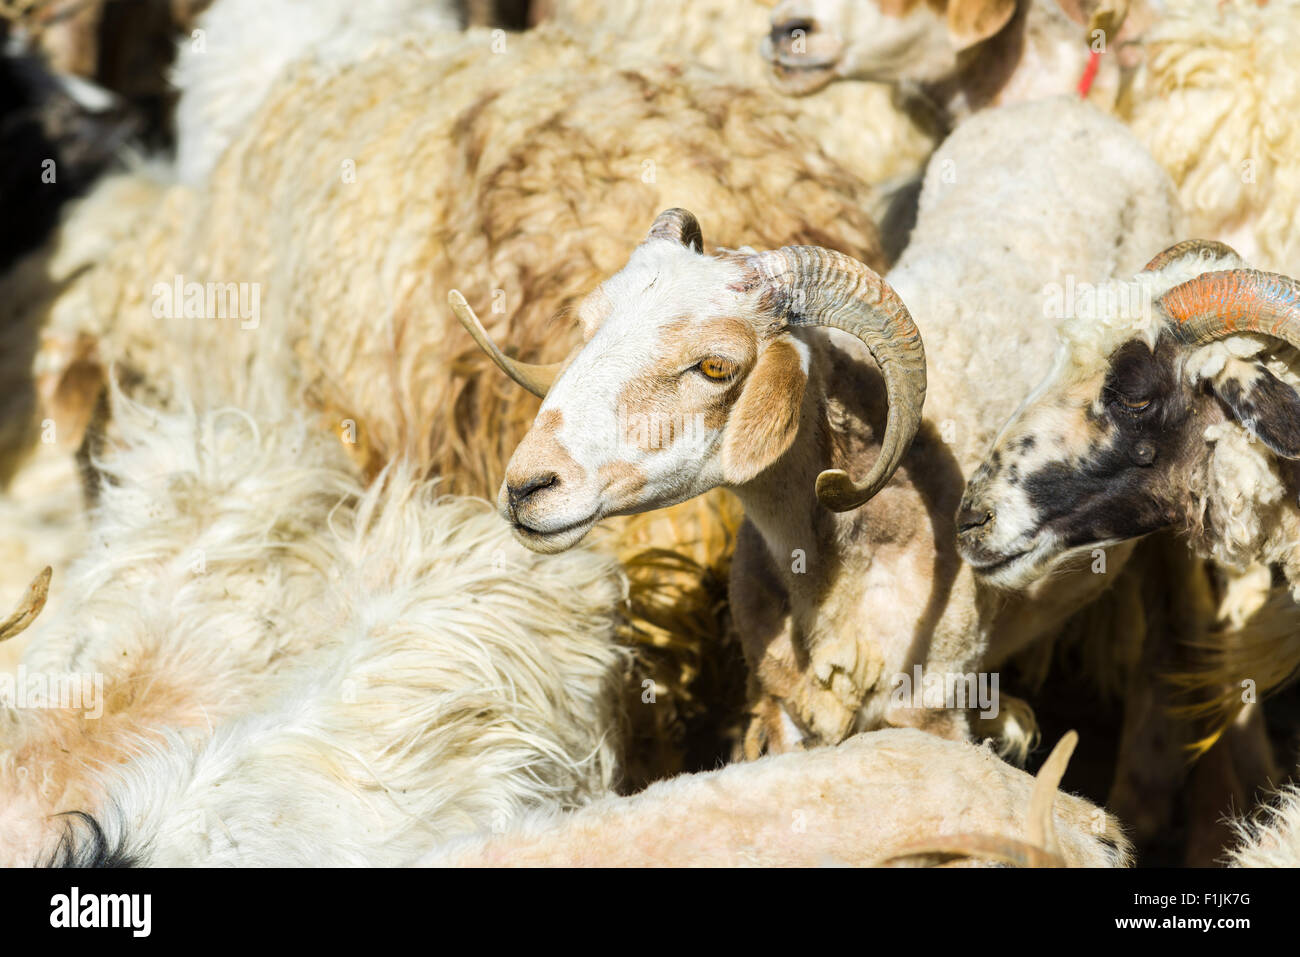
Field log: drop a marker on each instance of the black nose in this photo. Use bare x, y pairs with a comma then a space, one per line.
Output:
785, 31
969, 518
519, 494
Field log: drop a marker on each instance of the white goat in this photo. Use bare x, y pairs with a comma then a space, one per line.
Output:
699, 371
881, 797
1201, 84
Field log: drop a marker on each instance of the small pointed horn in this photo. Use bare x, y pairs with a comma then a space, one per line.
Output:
537, 379
821, 287
1206, 248
680, 226
29, 607
1041, 828
1216, 305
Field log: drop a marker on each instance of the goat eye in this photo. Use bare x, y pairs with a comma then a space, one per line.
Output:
1127, 403
717, 368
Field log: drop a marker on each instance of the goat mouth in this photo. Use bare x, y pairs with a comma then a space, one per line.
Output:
554, 539
1008, 569
1014, 570
989, 563
798, 76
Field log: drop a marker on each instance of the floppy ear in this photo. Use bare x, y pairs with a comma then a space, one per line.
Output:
765, 419
1262, 404
970, 21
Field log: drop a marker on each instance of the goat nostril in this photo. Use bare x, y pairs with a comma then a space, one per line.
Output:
787, 30
969, 518
521, 493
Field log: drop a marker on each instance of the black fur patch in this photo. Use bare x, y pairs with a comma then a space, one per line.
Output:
1113, 489
84, 844
1267, 407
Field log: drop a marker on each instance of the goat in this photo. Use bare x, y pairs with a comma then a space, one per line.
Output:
1172, 404
830, 605
1199, 83
885, 797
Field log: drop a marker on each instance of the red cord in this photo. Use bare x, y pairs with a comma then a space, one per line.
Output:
1089, 74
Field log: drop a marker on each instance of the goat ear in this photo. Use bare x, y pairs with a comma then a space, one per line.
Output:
69, 398
970, 21
1262, 404
765, 418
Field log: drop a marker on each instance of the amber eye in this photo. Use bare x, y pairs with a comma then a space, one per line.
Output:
717, 368
1134, 405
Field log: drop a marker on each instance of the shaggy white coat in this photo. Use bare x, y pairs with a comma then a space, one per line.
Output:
300, 670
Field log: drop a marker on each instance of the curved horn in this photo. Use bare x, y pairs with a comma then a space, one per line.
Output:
820, 287
1216, 305
1190, 247
536, 379
679, 225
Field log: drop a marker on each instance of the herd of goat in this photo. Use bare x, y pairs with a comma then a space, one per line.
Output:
889, 353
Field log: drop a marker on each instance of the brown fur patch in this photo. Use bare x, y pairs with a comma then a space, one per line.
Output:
651, 409
623, 480
766, 418
541, 451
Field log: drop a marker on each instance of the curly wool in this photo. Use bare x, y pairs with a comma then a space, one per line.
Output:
1212, 101
1271, 837
222, 83
724, 36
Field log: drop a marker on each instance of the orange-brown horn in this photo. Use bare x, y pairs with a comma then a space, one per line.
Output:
1206, 248
1216, 305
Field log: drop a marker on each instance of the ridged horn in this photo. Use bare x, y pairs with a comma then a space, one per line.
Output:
537, 379
679, 225
1190, 247
821, 287
1229, 302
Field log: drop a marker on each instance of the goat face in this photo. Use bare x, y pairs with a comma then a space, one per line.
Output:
678, 388
1114, 444
692, 375
1092, 461
814, 42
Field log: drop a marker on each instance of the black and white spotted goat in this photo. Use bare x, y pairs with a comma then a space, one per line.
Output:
1183, 413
